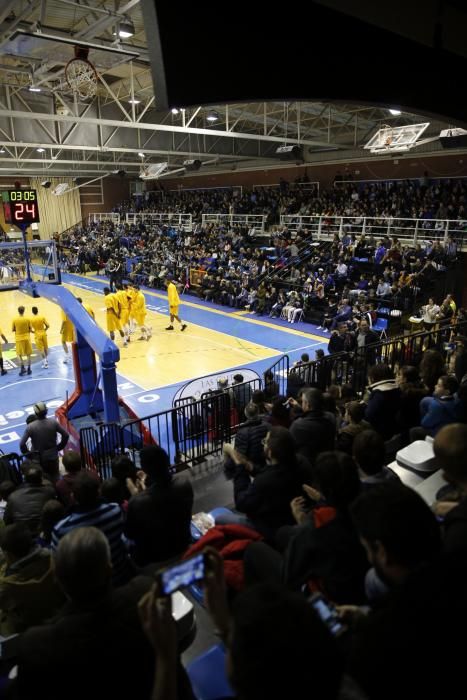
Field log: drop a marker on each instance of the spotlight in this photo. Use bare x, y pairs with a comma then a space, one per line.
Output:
212, 116
46, 184
141, 155
2, 150
33, 88
125, 28
175, 110
394, 112
134, 101
40, 150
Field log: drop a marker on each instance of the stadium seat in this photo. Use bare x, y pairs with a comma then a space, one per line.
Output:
380, 326
208, 677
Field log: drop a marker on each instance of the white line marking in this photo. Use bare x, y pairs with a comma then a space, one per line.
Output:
41, 379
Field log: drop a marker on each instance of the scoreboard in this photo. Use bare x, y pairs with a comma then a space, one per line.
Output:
20, 207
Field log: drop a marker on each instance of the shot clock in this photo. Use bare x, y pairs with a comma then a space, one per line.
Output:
20, 207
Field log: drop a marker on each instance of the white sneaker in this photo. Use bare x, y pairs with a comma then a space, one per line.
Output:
65, 360
45, 365
125, 343
319, 328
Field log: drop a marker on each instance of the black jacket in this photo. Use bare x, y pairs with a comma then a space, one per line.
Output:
266, 500
248, 440
314, 432
382, 407
26, 504
105, 639
158, 521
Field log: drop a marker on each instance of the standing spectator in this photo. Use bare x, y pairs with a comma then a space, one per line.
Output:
43, 434
241, 394
64, 486
429, 314
159, 517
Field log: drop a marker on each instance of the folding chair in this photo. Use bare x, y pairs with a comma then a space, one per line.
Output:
380, 326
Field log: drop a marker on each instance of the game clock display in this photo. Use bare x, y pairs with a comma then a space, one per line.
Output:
20, 207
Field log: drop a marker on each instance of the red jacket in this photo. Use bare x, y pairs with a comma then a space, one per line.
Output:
230, 541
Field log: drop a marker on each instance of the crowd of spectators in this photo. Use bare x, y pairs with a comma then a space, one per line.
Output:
316, 509
292, 276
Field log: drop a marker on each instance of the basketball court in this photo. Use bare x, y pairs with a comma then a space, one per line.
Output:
218, 340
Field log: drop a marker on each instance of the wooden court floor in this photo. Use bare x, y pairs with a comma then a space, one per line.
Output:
169, 357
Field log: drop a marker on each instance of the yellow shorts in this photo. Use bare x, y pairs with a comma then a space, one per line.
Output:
173, 310
113, 323
40, 341
23, 348
124, 316
68, 335
139, 318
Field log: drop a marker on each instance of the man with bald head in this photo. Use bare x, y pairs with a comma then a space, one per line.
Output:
450, 447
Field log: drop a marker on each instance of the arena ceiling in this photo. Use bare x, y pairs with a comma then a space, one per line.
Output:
46, 129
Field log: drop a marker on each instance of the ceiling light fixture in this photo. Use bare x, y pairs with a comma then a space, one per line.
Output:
40, 150
141, 155
394, 112
175, 110
34, 88
2, 150
212, 116
125, 28
134, 101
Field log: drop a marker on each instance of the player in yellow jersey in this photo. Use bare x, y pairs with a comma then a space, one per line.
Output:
87, 308
113, 315
131, 293
174, 303
67, 332
124, 301
138, 306
21, 327
3, 371
40, 326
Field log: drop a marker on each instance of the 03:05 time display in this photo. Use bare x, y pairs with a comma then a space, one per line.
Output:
22, 196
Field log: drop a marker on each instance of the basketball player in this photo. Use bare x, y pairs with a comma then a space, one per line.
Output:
113, 315
124, 301
174, 303
21, 327
139, 313
67, 333
88, 308
40, 326
3, 371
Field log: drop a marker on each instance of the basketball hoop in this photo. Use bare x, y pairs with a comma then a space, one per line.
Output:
80, 74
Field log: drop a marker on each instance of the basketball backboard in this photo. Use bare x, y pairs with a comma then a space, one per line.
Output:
394, 139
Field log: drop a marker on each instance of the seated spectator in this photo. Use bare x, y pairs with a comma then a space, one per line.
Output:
159, 518
450, 447
383, 401
431, 368
369, 454
276, 643
271, 387
112, 491
280, 413
314, 430
28, 591
265, 501
443, 407
412, 392
52, 513
125, 471
402, 540
6, 489
99, 626
324, 549
89, 510
354, 424
250, 435
64, 486
26, 503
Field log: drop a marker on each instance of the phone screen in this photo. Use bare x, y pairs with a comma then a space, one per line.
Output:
328, 614
182, 575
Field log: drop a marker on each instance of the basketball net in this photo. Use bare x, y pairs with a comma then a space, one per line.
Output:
81, 75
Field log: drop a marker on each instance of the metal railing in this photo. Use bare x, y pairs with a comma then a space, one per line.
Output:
189, 432
280, 373
112, 216
179, 221
324, 227
352, 367
256, 221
